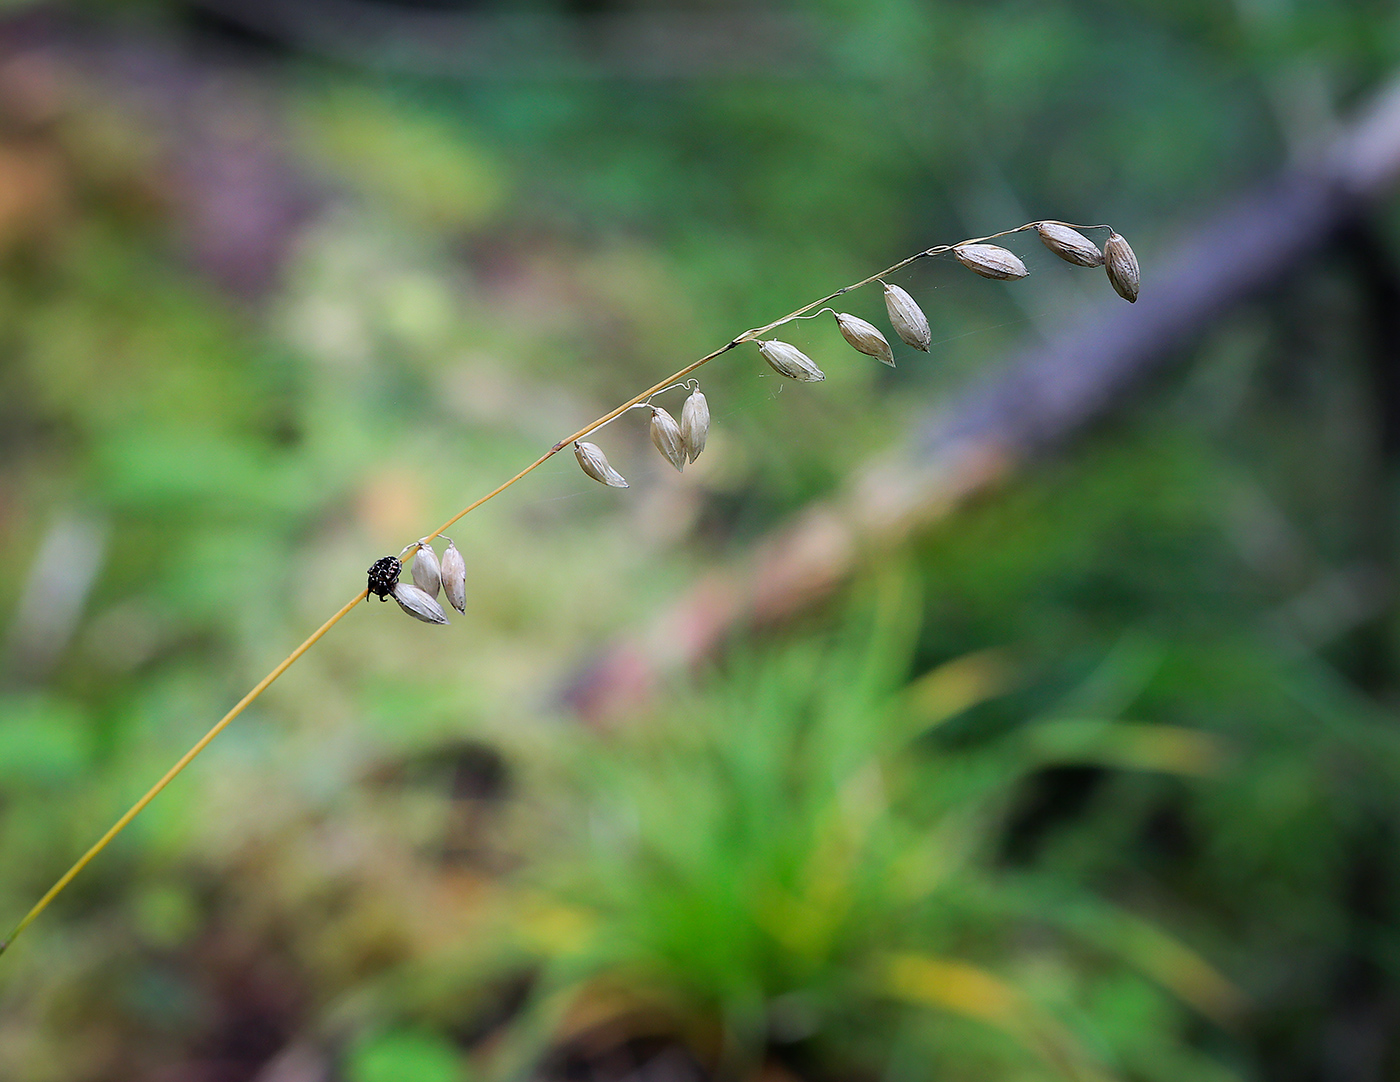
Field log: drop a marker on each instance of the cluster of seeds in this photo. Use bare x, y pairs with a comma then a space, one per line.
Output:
430, 576
1117, 258
988, 260
682, 441
678, 441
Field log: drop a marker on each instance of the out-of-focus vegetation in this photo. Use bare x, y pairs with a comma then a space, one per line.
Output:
1097, 779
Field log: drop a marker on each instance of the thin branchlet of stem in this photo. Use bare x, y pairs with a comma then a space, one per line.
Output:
675, 378
685, 383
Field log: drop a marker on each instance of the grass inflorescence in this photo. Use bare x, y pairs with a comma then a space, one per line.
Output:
679, 442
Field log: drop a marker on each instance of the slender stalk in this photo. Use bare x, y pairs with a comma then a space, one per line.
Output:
748, 336
183, 762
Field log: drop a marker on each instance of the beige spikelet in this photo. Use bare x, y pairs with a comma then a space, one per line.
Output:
454, 578
594, 463
695, 424
426, 571
1069, 244
788, 360
907, 318
990, 261
418, 603
666, 434
1122, 267
865, 337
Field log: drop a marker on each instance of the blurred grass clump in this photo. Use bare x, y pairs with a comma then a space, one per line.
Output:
791, 868
1095, 780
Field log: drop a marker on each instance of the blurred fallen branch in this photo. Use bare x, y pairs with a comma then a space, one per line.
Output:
532, 43
1037, 401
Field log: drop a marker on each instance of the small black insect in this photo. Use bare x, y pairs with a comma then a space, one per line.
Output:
384, 576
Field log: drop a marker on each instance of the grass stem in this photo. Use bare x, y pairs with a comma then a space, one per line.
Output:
262, 685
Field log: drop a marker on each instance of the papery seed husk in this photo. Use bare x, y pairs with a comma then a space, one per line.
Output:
426, 571
1069, 244
907, 318
990, 261
1122, 267
454, 578
788, 360
666, 434
865, 337
695, 424
590, 456
419, 604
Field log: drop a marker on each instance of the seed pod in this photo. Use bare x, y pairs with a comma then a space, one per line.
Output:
990, 261
419, 604
590, 456
666, 434
907, 318
865, 337
790, 361
1122, 267
1069, 244
454, 578
695, 424
427, 572
383, 576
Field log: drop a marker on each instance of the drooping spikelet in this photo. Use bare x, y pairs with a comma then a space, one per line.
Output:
1069, 244
788, 360
666, 434
695, 424
594, 463
454, 578
426, 571
907, 318
1122, 267
990, 261
865, 337
418, 603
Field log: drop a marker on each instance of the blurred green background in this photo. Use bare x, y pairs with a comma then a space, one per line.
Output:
1095, 778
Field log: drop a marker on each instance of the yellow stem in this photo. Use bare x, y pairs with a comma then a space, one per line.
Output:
189, 756
185, 760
